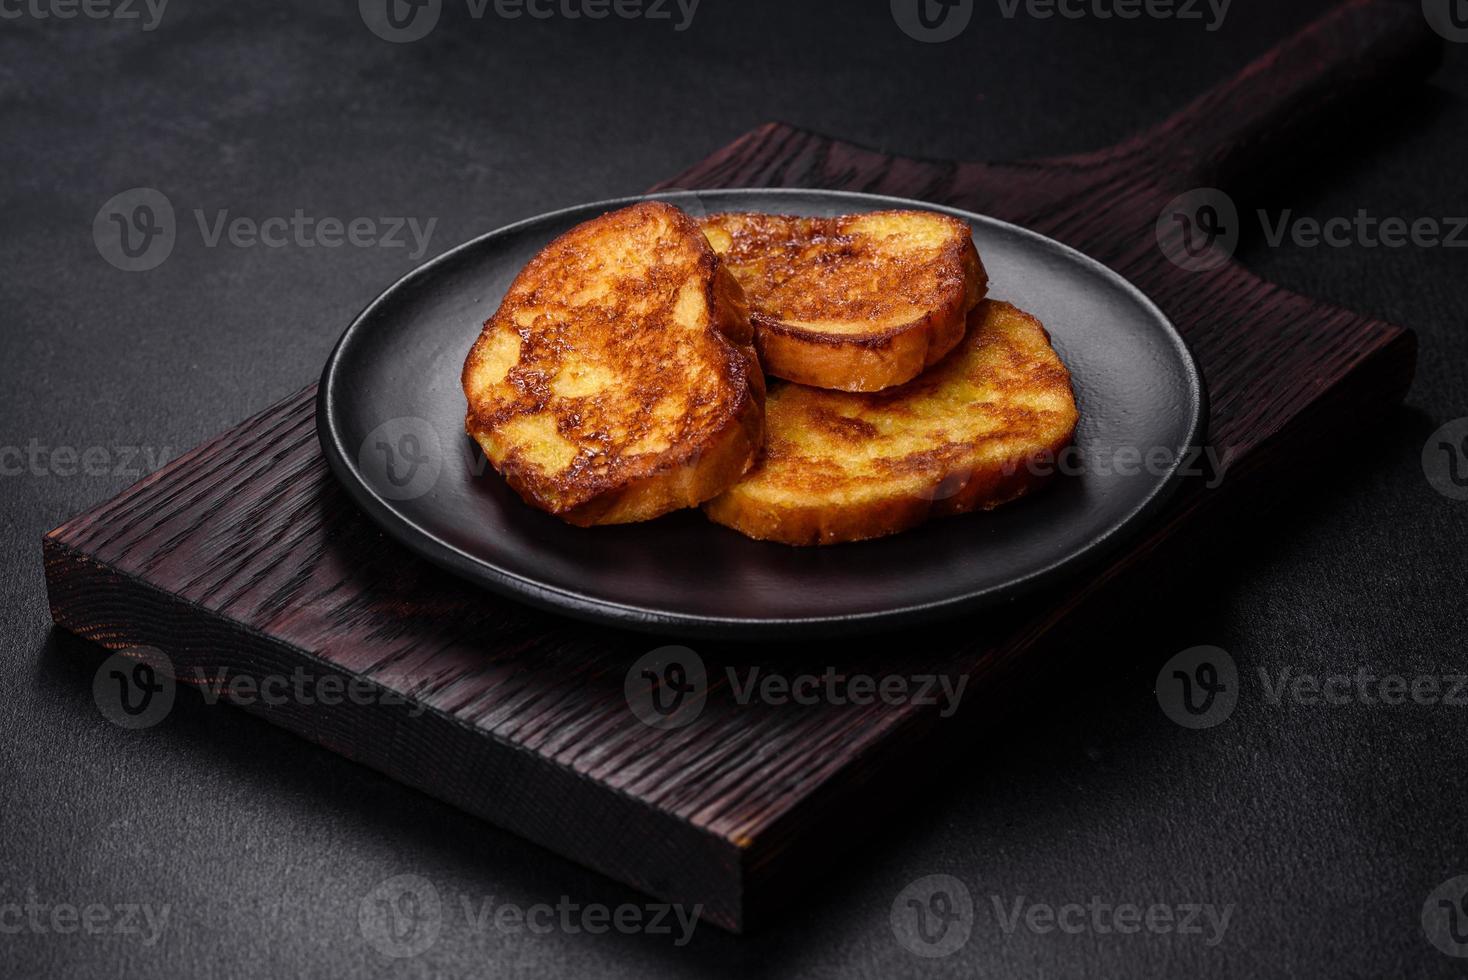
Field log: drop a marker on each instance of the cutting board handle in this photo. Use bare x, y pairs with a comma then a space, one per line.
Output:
1364, 50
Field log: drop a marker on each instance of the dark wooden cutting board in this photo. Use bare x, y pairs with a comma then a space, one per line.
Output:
244, 555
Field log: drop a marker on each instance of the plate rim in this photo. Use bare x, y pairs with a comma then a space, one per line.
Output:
578, 605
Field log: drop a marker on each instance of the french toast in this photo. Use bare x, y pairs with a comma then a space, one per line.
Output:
859, 302
618, 379
962, 436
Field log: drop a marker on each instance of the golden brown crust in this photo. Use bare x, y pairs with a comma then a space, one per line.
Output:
975, 431
857, 302
617, 381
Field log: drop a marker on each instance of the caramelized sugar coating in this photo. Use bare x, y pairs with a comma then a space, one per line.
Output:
972, 432
858, 302
617, 381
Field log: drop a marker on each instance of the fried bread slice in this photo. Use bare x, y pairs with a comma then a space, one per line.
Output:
618, 380
966, 434
859, 302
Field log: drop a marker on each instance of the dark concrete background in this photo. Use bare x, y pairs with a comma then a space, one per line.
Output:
1326, 827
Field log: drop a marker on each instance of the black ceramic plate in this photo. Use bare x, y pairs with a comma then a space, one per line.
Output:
391, 423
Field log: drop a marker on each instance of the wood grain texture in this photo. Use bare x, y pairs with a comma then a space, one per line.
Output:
244, 554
